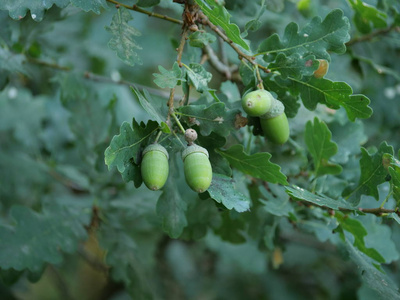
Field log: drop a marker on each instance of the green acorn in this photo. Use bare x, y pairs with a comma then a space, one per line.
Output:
197, 168
257, 103
154, 166
275, 124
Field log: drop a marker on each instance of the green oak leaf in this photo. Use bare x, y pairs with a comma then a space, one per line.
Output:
395, 182
201, 38
318, 140
132, 173
316, 38
318, 199
122, 41
12, 62
232, 228
168, 79
215, 117
17, 9
171, 207
333, 94
375, 280
358, 231
257, 165
126, 145
219, 16
294, 65
90, 5
366, 16
373, 173
37, 238
277, 202
198, 77
223, 191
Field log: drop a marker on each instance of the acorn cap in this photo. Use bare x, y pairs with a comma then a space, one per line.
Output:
155, 147
193, 149
277, 109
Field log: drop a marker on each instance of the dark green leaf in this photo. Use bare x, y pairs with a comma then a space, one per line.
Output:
316, 38
223, 191
320, 200
122, 41
168, 79
319, 144
257, 165
219, 16
171, 209
333, 94
11, 61
366, 16
201, 39
213, 118
373, 173
126, 145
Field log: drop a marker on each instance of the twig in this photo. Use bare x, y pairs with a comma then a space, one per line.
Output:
216, 63
181, 47
47, 64
232, 44
371, 35
143, 11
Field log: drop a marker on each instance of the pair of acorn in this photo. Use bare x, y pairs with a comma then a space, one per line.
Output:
196, 165
274, 123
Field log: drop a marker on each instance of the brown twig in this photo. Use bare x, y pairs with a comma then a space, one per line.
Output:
372, 35
143, 11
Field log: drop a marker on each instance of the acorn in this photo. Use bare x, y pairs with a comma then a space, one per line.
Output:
275, 124
197, 168
322, 68
154, 166
257, 103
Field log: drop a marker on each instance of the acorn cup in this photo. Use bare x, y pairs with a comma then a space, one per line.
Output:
197, 168
154, 166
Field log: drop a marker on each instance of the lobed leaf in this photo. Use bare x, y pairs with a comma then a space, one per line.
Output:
168, 79
223, 191
333, 94
198, 77
125, 146
318, 140
17, 9
219, 16
294, 65
257, 165
201, 39
278, 202
373, 173
316, 38
122, 40
366, 16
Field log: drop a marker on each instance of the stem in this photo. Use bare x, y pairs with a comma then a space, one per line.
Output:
47, 64
387, 197
370, 36
173, 132
149, 13
157, 137
178, 123
181, 47
260, 84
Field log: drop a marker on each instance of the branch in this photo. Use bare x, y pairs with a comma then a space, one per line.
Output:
232, 44
373, 34
143, 11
